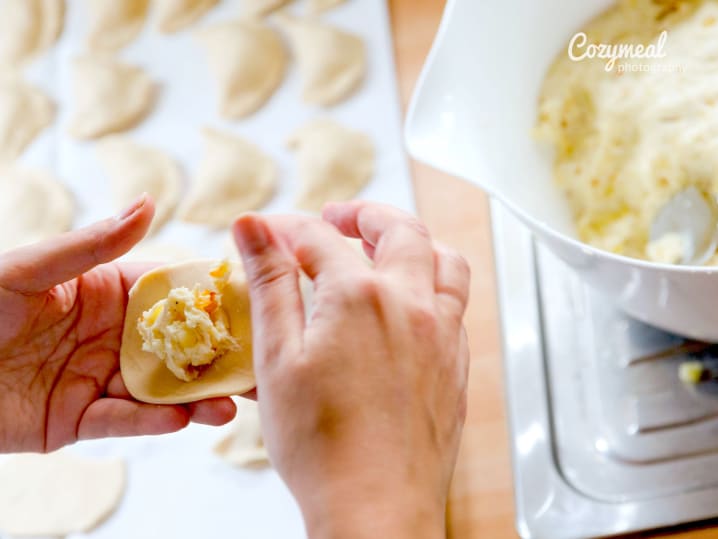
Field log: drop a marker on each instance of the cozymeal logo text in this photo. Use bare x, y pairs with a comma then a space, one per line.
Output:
580, 49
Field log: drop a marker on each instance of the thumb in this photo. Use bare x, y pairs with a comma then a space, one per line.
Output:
37, 268
277, 308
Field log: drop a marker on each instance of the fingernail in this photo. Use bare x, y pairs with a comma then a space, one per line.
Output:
251, 234
133, 208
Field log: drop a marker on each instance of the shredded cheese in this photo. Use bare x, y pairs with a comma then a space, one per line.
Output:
189, 330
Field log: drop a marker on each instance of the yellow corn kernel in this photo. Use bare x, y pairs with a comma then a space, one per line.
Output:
691, 372
221, 270
187, 339
154, 314
220, 274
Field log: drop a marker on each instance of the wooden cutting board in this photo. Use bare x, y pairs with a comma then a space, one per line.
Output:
481, 504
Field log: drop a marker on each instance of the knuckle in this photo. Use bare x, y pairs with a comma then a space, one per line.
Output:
304, 251
458, 276
367, 286
362, 288
96, 243
423, 319
300, 372
264, 273
417, 227
455, 260
460, 263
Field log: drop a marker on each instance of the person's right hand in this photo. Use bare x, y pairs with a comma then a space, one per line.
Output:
363, 404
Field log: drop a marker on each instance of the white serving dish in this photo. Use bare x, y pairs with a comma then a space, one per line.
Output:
472, 116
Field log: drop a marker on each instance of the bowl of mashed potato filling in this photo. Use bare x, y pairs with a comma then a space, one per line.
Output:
585, 117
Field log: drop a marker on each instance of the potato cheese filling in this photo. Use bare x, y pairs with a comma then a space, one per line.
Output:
189, 330
631, 135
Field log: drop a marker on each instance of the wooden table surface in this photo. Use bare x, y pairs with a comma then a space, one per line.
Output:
481, 504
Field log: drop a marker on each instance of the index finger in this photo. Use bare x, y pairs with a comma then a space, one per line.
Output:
69, 255
402, 244
318, 247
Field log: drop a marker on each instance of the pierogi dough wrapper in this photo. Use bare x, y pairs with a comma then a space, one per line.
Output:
146, 376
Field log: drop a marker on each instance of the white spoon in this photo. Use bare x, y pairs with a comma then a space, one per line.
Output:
693, 216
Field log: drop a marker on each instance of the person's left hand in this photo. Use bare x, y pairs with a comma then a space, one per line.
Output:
61, 320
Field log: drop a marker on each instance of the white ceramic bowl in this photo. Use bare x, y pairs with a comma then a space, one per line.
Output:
472, 116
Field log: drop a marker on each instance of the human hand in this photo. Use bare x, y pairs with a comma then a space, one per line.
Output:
61, 319
363, 404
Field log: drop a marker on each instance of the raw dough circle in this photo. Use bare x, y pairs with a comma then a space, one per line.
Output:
146, 376
57, 494
244, 446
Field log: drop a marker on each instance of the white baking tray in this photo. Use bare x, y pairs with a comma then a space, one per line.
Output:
188, 102
176, 486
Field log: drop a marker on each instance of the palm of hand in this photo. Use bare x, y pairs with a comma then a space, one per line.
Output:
60, 343
60, 350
